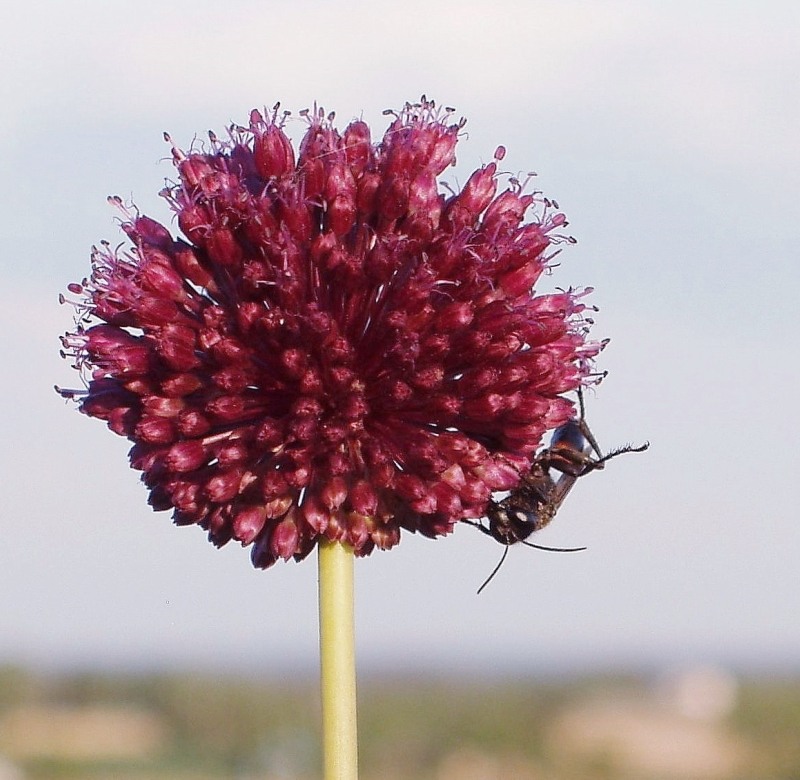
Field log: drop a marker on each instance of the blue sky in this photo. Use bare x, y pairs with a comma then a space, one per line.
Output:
668, 133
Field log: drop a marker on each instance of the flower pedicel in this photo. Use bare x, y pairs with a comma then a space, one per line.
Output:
336, 349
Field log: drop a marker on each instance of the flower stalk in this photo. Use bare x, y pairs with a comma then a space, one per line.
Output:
337, 661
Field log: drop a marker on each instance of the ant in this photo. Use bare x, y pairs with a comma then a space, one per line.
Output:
533, 504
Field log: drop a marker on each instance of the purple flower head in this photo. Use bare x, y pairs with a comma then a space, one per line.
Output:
335, 348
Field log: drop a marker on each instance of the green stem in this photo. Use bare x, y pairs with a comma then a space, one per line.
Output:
337, 661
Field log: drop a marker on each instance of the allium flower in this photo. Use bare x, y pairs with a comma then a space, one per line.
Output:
336, 349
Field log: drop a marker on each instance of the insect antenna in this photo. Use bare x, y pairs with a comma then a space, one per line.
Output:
527, 544
553, 549
494, 571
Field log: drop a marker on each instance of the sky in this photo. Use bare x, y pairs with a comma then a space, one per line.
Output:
668, 133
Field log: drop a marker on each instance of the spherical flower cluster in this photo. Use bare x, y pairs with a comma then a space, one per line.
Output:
336, 348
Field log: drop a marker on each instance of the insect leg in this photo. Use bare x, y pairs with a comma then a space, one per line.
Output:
481, 528
618, 451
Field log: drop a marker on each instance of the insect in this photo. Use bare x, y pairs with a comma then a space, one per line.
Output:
573, 453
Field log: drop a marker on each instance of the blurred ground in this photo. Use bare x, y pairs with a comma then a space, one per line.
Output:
700, 723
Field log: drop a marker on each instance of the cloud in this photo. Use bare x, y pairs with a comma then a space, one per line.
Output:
642, 104
684, 76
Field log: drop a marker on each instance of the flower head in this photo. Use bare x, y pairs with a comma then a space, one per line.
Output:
335, 348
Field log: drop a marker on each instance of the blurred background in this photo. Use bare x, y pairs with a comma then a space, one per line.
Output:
668, 133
